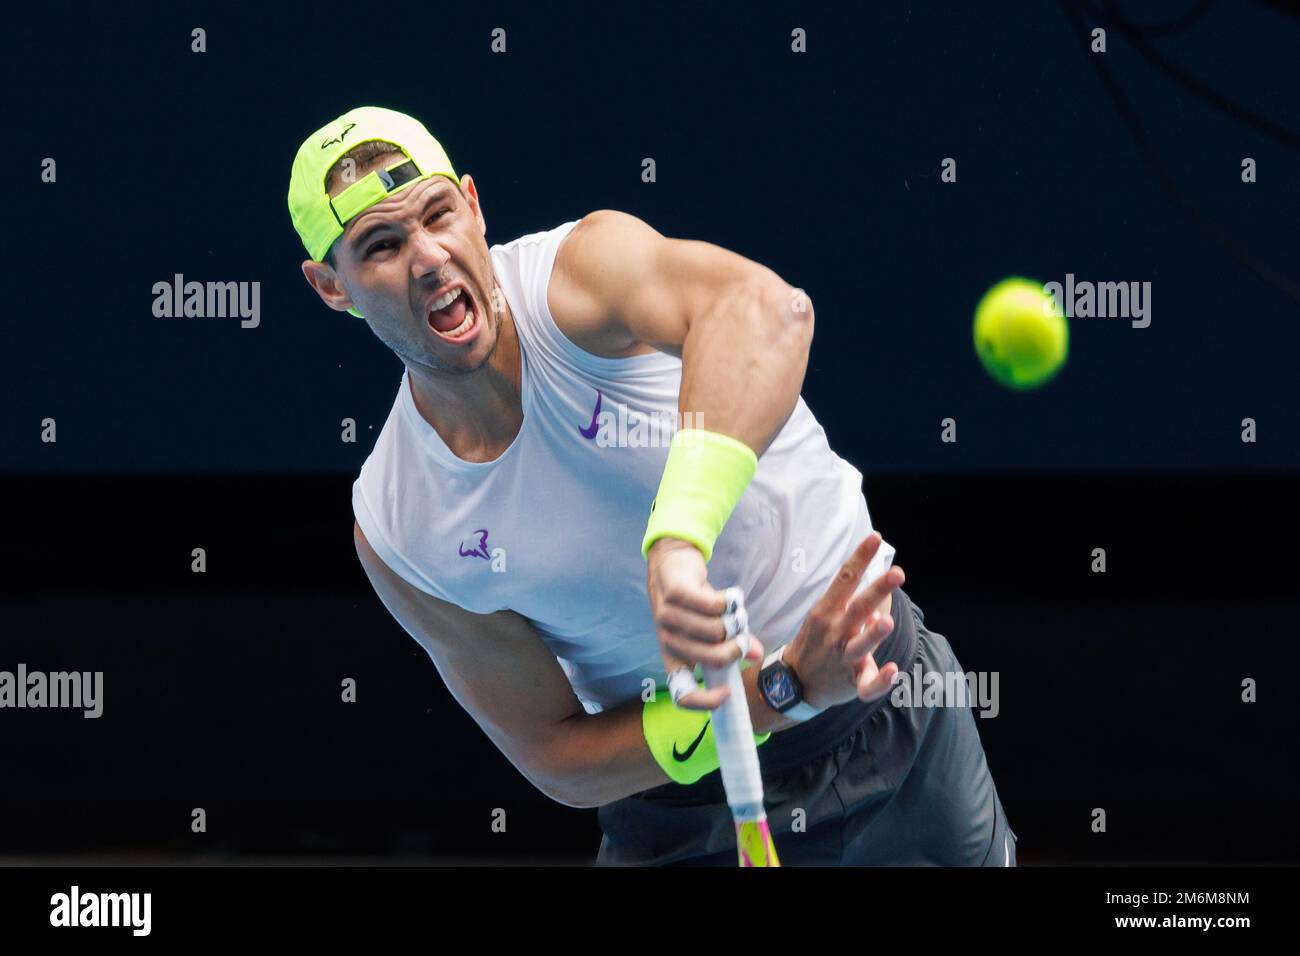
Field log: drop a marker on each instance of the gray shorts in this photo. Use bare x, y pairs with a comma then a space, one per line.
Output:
872, 785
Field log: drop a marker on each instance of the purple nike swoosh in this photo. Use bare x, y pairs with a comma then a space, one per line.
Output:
590, 431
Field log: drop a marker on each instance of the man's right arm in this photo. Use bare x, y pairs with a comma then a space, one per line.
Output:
499, 669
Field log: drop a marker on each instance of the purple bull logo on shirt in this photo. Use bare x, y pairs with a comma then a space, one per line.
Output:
478, 548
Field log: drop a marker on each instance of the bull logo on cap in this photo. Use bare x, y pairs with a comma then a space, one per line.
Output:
338, 139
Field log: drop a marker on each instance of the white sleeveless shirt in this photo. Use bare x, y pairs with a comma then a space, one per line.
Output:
552, 528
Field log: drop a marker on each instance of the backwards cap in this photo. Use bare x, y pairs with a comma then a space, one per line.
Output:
319, 219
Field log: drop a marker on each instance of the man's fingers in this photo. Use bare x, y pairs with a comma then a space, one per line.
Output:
704, 699
850, 573
702, 600
878, 627
873, 683
862, 606
701, 652
691, 624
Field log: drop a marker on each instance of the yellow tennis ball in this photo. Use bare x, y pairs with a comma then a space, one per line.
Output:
1020, 335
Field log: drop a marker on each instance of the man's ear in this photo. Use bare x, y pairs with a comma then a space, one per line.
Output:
469, 191
322, 277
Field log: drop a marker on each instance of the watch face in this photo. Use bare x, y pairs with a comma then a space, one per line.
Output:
780, 689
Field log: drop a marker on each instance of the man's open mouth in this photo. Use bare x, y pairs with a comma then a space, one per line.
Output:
452, 314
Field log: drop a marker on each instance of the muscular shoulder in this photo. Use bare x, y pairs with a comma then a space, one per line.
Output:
620, 288
593, 278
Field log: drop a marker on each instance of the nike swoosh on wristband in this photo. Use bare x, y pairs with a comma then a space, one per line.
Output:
590, 431
683, 757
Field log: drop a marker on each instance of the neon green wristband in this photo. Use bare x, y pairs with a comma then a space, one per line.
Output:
704, 477
681, 740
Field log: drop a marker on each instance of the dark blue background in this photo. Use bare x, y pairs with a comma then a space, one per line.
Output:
1120, 690
823, 166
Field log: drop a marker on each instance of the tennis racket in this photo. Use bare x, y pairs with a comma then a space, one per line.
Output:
737, 753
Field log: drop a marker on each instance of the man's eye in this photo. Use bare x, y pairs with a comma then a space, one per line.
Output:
389, 243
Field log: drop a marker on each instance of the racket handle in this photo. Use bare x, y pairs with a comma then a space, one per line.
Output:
733, 732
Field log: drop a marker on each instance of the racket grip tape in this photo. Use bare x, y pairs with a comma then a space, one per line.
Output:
733, 732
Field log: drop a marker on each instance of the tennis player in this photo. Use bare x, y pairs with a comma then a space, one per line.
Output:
598, 430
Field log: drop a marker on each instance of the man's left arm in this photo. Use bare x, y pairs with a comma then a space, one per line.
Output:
742, 332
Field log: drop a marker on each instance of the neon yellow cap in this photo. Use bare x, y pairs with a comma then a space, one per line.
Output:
319, 219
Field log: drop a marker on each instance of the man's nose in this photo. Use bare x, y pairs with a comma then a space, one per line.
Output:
428, 256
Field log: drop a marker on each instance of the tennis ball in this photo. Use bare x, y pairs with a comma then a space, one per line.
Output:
1020, 336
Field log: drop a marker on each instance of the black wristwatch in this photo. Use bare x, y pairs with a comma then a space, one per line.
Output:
780, 687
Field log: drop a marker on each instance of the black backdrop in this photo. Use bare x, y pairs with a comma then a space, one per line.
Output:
1119, 690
